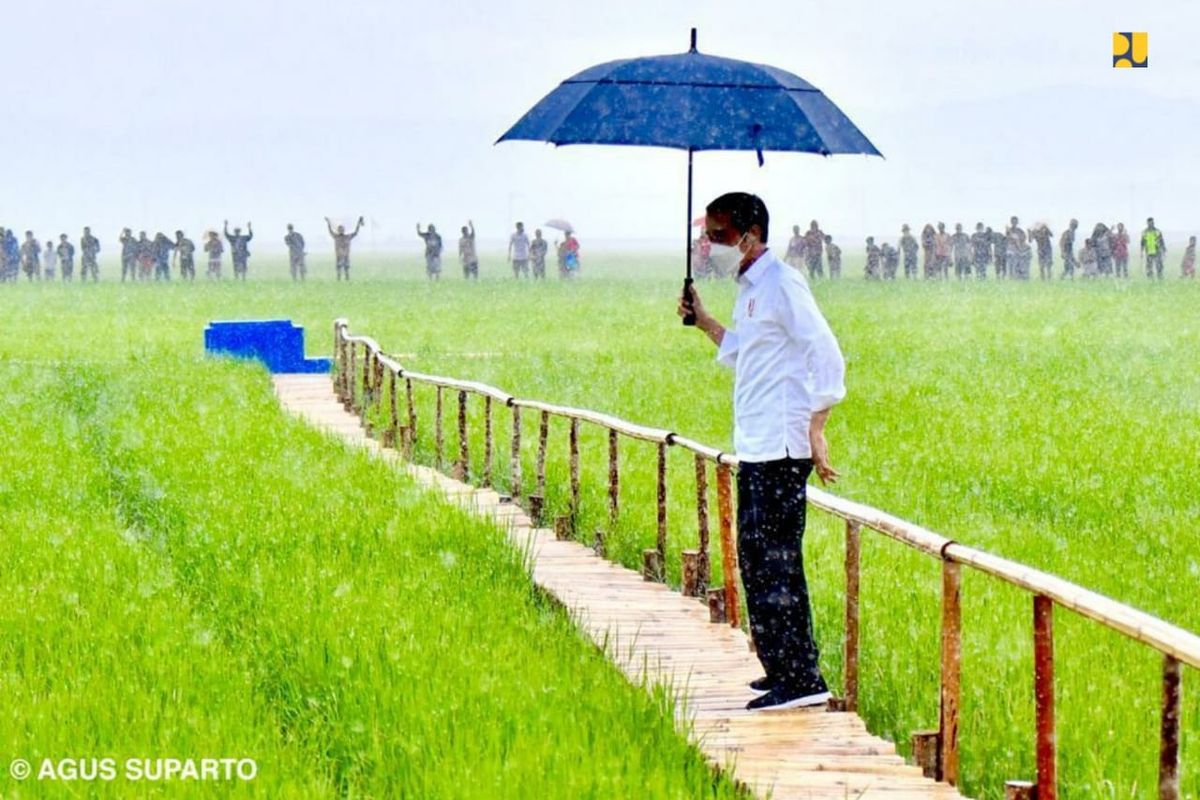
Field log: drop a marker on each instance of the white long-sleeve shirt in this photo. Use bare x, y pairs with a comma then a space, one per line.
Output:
786, 362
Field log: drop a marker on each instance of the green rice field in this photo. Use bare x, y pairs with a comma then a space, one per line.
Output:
188, 572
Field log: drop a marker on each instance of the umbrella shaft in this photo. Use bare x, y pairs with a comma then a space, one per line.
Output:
688, 239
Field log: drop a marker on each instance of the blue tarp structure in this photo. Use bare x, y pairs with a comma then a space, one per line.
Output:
278, 343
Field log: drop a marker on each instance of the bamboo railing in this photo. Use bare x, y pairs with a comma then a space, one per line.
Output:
359, 382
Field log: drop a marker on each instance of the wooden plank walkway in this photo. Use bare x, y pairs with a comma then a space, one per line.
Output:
655, 634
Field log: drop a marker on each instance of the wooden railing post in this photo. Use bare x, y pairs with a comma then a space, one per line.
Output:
690, 585
1043, 683
927, 753
1168, 756
412, 418
377, 378
951, 669
437, 431
850, 642
661, 542
515, 460
337, 360
728, 555
573, 515
352, 376
366, 383
543, 441
702, 565
391, 438
1019, 790
487, 440
462, 467
614, 477
716, 605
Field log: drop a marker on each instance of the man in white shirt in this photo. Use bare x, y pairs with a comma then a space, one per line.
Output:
788, 374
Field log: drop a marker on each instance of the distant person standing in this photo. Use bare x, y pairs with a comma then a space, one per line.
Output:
89, 249
981, 250
834, 254
570, 248
66, 258
928, 240
1102, 241
31, 257
214, 248
871, 270
49, 261
1187, 267
294, 241
538, 248
1120, 250
1154, 247
910, 248
341, 245
1015, 251
518, 251
433, 251
999, 253
960, 247
12, 250
147, 255
795, 249
1087, 259
941, 252
467, 254
812, 250
891, 261
1066, 248
185, 249
129, 254
239, 248
162, 256
1044, 238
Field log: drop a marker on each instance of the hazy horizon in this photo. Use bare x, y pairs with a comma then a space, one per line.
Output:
291, 112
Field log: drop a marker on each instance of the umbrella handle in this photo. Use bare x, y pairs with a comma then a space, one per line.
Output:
689, 319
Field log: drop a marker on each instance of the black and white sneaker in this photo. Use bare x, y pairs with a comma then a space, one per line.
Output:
782, 697
763, 684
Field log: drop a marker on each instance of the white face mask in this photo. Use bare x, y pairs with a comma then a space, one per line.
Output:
727, 257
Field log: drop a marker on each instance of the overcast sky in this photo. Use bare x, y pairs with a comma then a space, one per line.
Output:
182, 113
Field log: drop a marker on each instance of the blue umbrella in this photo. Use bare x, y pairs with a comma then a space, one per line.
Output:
691, 101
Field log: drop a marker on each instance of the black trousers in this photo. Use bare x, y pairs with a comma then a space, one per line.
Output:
771, 514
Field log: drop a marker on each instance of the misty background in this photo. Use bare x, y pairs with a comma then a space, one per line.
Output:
181, 114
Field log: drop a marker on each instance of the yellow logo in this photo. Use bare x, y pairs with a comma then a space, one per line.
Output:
1131, 49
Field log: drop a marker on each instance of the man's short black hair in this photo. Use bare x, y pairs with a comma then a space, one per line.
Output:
745, 211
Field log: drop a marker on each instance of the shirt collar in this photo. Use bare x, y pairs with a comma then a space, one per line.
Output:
754, 272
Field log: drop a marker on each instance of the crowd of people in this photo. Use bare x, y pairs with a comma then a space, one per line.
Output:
155, 258
933, 253
142, 257
1006, 254
526, 256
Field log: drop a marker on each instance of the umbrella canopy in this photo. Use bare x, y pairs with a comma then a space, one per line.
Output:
559, 224
691, 101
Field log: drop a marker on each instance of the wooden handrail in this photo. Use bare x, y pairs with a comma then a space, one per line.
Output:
633, 431
1161, 635
936, 750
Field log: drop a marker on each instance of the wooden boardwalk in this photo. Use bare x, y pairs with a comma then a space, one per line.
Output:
655, 634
